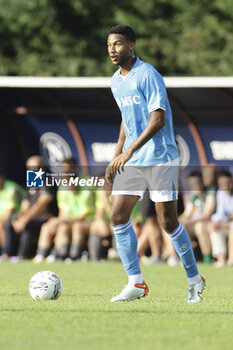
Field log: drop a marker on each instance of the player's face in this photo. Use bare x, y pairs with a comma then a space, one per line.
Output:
225, 183
120, 49
33, 163
195, 184
209, 175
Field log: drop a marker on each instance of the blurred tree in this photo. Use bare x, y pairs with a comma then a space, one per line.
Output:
53, 37
68, 37
180, 37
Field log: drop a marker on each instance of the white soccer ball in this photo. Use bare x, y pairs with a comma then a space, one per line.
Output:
45, 285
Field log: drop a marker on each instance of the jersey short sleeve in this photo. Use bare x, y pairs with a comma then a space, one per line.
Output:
154, 89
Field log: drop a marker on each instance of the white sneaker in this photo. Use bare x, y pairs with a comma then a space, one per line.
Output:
132, 292
195, 290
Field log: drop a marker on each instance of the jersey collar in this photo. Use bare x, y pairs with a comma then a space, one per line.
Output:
134, 68
136, 64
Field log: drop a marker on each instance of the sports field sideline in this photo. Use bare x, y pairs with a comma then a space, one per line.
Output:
83, 317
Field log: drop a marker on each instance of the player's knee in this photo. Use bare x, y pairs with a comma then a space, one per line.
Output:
44, 227
167, 223
76, 226
118, 218
198, 228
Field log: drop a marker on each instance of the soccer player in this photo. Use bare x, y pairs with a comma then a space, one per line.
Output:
146, 144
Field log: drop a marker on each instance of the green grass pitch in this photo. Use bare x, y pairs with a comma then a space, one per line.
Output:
83, 318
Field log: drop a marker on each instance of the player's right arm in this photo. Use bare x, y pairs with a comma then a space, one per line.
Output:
120, 142
118, 150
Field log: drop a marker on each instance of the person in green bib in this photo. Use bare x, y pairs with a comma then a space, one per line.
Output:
68, 232
83, 208
100, 237
101, 241
198, 210
11, 195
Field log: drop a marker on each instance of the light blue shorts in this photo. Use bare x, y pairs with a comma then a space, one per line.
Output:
161, 180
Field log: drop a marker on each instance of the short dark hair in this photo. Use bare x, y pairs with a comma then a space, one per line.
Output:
70, 161
224, 173
125, 30
195, 173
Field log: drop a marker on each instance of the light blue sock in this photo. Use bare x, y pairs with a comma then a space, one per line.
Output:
182, 245
127, 247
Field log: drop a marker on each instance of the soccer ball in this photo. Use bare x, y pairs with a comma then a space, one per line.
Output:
45, 285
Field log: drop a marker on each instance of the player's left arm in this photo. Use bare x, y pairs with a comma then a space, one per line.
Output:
156, 122
109, 175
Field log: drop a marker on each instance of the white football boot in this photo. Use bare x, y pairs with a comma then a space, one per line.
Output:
195, 290
131, 292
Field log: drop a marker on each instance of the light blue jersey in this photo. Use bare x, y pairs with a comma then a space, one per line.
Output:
139, 93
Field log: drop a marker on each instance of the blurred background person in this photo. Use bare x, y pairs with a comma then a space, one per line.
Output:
149, 241
100, 238
154, 245
85, 212
198, 210
11, 195
136, 218
68, 232
168, 251
209, 178
221, 225
22, 230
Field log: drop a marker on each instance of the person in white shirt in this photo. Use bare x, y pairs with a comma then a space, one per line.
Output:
221, 225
